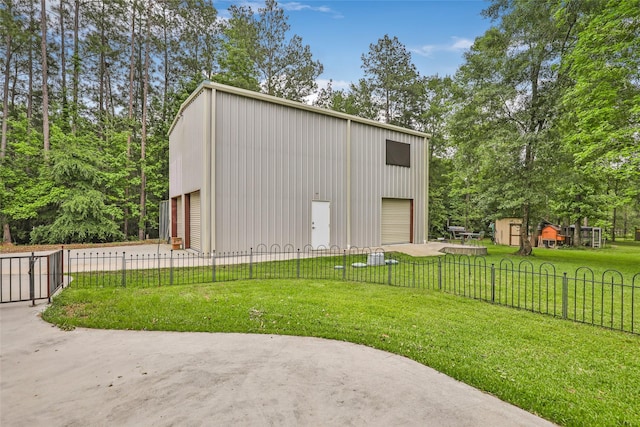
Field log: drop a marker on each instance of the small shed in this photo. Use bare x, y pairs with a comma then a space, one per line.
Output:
508, 231
551, 236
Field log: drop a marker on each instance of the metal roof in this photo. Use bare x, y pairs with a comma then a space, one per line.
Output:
288, 103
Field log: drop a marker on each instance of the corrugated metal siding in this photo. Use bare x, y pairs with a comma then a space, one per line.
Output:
396, 221
192, 173
372, 180
271, 162
185, 149
175, 159
194, 222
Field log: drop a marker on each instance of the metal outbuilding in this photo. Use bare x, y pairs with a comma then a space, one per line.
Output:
247, 169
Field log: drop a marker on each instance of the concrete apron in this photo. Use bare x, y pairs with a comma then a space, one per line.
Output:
106, 377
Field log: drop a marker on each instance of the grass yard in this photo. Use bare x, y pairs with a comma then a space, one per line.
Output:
569, 373
596, 294
622, 256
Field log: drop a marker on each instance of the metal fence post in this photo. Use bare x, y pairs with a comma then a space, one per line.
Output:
298, 264
344, 264
413, 274
124, 270
62, 268
213, 266
69, 266
439, 273
565, 296
171, 267
251, 263
389, 274
493, 283
32, 279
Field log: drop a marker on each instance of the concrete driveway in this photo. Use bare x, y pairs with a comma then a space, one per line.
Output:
103, 377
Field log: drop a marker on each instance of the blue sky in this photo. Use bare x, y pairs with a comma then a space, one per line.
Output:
339, 32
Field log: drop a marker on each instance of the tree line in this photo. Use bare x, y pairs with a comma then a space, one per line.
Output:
540, 122
90, 88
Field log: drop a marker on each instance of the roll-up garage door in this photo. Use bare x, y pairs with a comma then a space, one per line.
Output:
194, 221
396, 221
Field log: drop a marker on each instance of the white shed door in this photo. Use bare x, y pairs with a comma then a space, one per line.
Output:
194, 221
396, 221
320, 224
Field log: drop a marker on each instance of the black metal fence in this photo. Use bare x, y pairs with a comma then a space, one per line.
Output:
609, 299
31, 277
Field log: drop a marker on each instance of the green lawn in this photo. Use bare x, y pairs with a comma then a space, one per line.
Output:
621, 256
569, 373
601, 287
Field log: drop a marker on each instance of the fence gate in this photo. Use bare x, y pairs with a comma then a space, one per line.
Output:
31, 277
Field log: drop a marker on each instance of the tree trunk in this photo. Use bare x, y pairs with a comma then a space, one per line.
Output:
5, 96
165, 89
143, 137
613, 225
32, 33
577, 239
525, 243
76, 67
130, 114
6, 232
45, 90
101, 77
63, 64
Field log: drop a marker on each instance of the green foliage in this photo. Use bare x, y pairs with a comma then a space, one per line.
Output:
236, 58
601, 121
541, 122
504, 128
198, 38
82, 213
394, 82
286, 66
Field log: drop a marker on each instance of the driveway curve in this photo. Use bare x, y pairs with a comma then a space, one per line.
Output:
107, 377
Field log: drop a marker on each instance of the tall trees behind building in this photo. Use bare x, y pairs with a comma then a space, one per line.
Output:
90, 89
542, 120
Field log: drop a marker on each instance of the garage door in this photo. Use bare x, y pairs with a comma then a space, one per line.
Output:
396, 221
195, 231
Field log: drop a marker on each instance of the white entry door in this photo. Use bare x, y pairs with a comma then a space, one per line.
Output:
320, 224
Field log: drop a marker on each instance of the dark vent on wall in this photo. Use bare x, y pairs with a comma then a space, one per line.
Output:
398, 154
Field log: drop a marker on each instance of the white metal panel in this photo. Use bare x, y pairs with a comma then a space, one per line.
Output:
192, 145
175, 159
185, 148
372, 180
180, 219
396, 221
272, 157
195, 232
271, 160
320, 224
